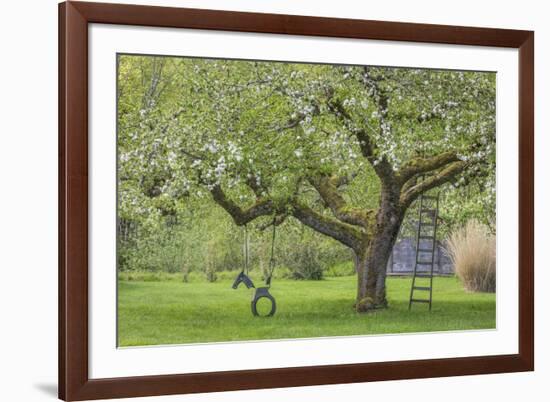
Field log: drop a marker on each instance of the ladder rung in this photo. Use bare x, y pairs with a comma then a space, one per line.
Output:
426, 232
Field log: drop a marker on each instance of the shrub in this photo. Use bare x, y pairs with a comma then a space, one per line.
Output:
341, 269
473, 252
305, 262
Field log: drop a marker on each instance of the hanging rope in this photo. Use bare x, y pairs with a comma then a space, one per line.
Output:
246, 249
263, 291
271, 266
243, 275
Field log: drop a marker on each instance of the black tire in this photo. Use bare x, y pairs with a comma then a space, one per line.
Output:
263, 293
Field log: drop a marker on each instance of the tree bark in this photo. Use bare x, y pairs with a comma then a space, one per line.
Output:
371, 268
371, 263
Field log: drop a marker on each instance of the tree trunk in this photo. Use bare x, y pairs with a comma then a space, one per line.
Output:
371, 263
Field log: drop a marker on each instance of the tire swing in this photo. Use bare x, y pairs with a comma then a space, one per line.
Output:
263, 291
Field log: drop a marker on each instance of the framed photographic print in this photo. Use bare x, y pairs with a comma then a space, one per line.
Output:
260, 200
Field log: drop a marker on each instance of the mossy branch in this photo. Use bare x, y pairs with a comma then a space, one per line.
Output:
443, 176
346, 234
417, 166
327, 187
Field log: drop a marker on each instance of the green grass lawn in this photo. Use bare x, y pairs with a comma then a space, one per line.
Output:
171, 312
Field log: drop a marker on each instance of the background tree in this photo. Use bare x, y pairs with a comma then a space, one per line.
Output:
345, 150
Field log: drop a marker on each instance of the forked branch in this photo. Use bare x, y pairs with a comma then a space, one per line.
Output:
417, 166
242, 216
346, 234
327, 187
443, 176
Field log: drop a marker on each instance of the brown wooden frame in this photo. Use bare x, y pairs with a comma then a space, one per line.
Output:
74, 383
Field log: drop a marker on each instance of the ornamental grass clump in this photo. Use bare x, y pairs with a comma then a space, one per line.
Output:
473, 252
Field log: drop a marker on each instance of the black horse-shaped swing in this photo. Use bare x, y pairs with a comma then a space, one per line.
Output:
263, 291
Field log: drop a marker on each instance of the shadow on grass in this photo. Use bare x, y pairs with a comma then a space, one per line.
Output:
47, 389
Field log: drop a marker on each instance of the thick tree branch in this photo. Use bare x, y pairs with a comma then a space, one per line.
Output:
382, 167
327, 187
417, 166
446, 174
408, 184
344, 233
255, 185
242, 216
344, 180
277, 221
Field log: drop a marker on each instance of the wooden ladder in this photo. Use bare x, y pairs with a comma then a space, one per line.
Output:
425, 249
